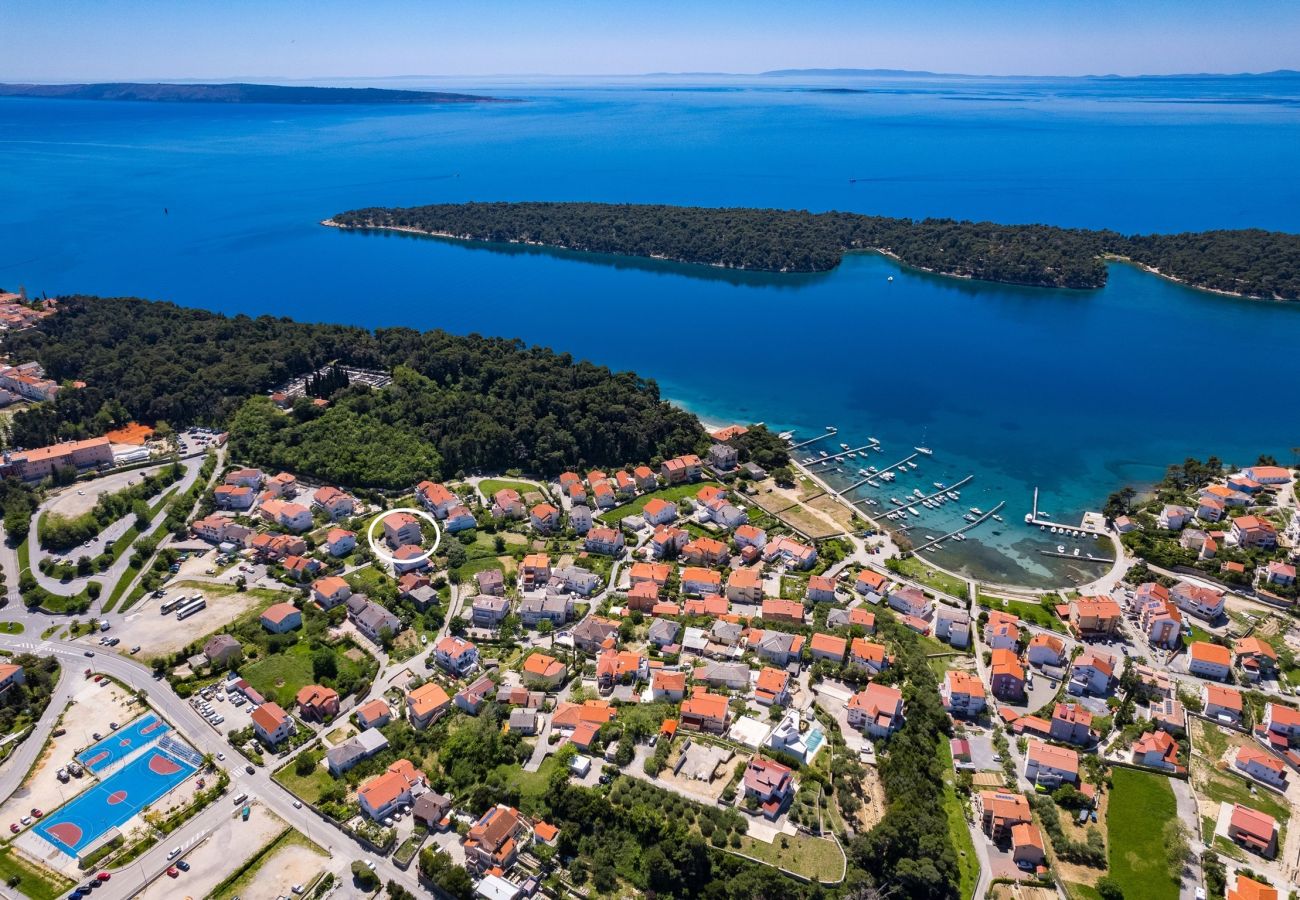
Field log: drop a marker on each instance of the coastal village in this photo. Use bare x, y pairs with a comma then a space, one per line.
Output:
402, 679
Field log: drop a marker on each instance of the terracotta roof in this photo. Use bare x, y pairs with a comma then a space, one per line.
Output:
1204, 651
1222, 696
278, 612
427, 698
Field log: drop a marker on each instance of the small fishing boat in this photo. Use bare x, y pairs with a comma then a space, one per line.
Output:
887, 476
940, 485
924, 451
997, 518
977, 511
911, 465
1060, 548
873, 482
823, 453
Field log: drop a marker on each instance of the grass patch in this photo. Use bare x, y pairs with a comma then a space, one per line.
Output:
668, 494
490, 486
1139, 802
307, 788
279, 677
532, 785
1078, 891
1033, 613
811, 857
921, 571
1226, 788
12, 627
35, 882
968, 863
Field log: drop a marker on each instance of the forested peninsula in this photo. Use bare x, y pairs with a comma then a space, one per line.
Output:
1249, 263
457, 403
236, 93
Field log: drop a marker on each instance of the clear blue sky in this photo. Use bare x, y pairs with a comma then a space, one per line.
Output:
53, 40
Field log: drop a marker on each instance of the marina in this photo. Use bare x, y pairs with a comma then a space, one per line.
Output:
831, 431
848, 452
960, 532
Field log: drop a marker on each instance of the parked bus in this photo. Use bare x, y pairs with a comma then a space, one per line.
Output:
190, 609
172, 604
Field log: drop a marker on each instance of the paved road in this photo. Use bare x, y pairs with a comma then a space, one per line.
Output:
16, 767
206, 740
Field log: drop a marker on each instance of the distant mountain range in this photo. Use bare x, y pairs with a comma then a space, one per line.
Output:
904, 73
236, 93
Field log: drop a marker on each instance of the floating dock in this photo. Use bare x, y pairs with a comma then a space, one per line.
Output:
814, 440
967, 527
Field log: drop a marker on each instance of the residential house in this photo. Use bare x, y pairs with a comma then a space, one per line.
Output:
1277, 572
1262, 766
455, 655
1158, 616
871, 584
876, 710
745, 586
221, 650
696, 580
828, 647
1248, 888
336, 503
658, 511
705, 711
580, 519
1268, 474
426, 704
535, 571
668, 541
911, 602
1210, 509
750, 536
1000, 811
459, 518
1197, 600
790, 552
1281, 724
288, 515
493, 841
772, 687
1046, 650
233, 496
433, 810
397, 787
1006, 675
219, 529
604, 495
732, 675
705, 552
1157, 750
1222, 704
867, 656
1027, 845
544, 518
507, 504
471, 698
1208, 660
371, 619
1071, 724
666, 686
821, 589
663, 633
355, 749
1253, 830
300, 568
281, 617
681, 469
605, 541
962, 693
1093, 673
373, 714
1173, 517
555, 608
1093, 617
768, 782
543, 671
1049, 765
488, 612
1255, 658
578, 580
249, 478
340, 542
723, 457
436, 498
1253, 531
776, 647
777, 610
620, 667
330, 591
316, 703
272, 724
1168, 715
491, 582
592, 634
952, 626
402, 529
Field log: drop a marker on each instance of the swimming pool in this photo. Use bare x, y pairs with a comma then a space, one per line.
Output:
139, 733
114, 800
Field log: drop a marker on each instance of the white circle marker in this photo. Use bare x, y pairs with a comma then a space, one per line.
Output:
419, 514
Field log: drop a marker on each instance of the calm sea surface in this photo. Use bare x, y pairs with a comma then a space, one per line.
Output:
1075, 392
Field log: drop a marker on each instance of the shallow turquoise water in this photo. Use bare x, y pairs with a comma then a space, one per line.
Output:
1076, 392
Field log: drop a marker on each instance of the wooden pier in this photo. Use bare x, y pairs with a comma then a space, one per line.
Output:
819, 437
1034, 519
967, 527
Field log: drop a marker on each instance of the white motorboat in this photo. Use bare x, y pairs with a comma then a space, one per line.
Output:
924, 451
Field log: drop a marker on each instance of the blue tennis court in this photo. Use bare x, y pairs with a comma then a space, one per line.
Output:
139, 733
114, 800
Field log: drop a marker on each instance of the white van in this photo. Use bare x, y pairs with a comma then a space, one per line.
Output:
240, 799
176, 851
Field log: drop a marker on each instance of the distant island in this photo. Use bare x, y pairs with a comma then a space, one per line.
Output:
1247, 263
237, 93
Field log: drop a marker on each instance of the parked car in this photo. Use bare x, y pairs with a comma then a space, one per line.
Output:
173, 872
182, 865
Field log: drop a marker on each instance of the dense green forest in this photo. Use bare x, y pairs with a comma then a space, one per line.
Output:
457, 402
1251, 262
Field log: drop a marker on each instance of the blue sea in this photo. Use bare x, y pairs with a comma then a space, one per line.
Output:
1077, 393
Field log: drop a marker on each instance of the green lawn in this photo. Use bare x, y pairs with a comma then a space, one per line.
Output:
670, 494
1140, 804
490, 486
1031, 612
968, 862
12, 627
280, 677
919, 570
36, 883
1229, 789
811, 857
1081, 891
307, 787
